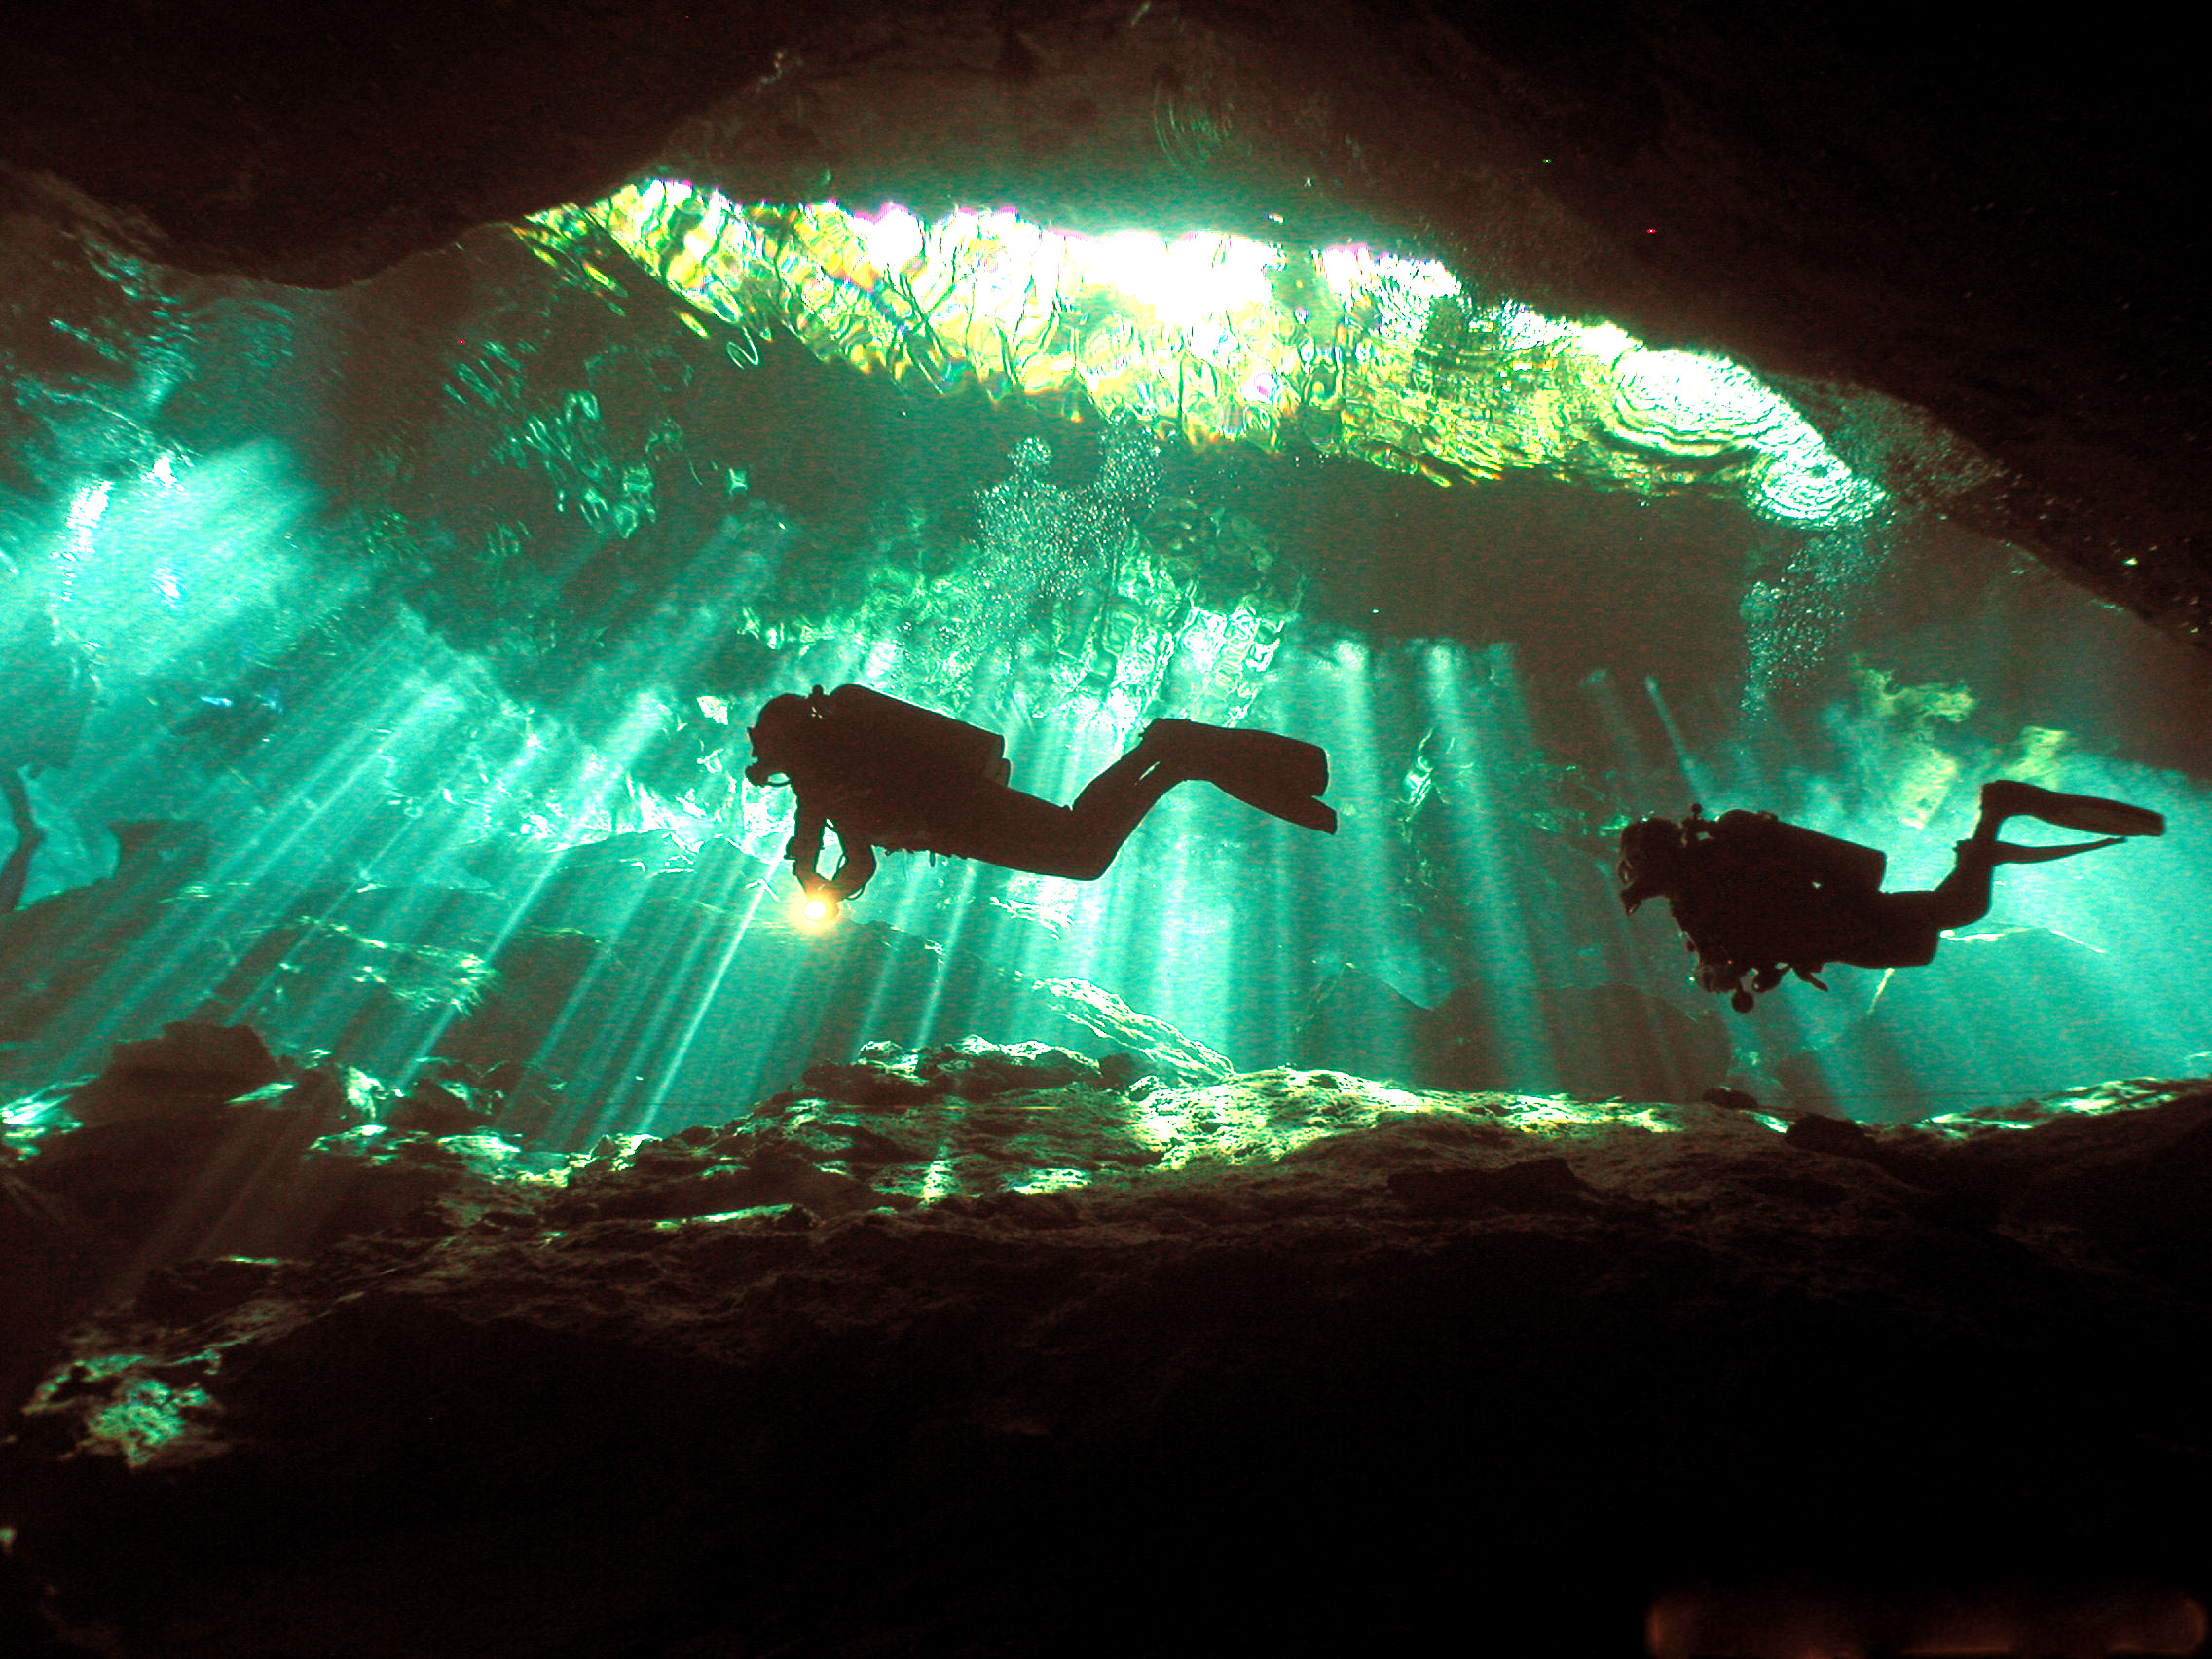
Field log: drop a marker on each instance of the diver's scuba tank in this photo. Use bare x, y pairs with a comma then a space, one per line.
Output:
1821, 858
912, 737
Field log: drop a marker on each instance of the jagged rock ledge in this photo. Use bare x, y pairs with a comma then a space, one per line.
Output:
1006, 1351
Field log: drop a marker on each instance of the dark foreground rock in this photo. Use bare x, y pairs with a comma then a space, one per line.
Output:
1011, 1354
1991, 223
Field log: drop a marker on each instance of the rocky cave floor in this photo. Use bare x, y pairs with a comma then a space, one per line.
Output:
1000, 1351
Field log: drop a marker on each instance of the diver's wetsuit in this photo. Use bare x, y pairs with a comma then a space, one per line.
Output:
884, 773
1749, 910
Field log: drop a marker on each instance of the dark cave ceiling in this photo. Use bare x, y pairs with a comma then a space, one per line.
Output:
1989, 228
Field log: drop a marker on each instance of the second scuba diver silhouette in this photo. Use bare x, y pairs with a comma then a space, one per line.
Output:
885, 773
1759, 898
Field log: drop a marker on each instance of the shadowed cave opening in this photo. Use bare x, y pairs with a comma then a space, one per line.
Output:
429, 612
382, 659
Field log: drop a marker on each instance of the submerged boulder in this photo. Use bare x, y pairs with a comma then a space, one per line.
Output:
191, 1066
760, 1387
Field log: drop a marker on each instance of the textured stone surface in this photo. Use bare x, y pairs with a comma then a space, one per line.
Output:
1381, 1369
1986, 221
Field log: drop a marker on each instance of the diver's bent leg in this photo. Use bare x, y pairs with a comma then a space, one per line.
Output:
1113, 804
1902, 930
1019, 831
1963, 895
1120, 783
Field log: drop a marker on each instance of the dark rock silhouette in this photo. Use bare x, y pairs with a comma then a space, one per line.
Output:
933, 1344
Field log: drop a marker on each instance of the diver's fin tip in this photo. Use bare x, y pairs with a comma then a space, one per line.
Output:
1308, 813
2094, 815
2009, 853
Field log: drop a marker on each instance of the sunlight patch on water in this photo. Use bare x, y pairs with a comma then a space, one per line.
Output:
1346, 349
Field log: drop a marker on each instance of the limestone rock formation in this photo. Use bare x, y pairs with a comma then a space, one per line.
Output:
1005, 1353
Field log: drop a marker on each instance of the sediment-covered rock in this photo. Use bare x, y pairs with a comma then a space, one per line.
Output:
1007, 1351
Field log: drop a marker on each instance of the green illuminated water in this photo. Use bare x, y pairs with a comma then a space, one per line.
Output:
413, 630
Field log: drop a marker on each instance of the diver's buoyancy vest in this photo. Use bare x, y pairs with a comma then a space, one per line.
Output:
899, 774
1822, 858
912, 740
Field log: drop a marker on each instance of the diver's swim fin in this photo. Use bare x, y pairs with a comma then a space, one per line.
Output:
1293, 809
2092, 815
1281, 776
1286, 763
2005, 852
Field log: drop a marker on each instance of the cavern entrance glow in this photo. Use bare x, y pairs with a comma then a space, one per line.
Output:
382, 659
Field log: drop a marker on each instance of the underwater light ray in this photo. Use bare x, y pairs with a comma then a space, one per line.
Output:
661, 962
963, 912
1479, 726
1209, 934
1636, 768
692, 1013
916, 893
1259, 946
614, 997
599, 776
1353, 924
260, 876
324, 1014
1694, 771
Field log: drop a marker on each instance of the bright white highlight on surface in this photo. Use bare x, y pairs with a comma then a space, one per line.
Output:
89, 507
1196, 277
1346, 350
1184, 283
1683, 394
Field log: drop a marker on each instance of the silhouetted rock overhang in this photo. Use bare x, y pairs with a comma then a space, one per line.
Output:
1988, 223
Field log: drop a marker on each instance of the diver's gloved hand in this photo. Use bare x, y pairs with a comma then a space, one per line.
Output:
828, 890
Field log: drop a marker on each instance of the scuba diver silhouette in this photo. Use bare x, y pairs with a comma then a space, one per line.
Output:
1755, 896
885, 773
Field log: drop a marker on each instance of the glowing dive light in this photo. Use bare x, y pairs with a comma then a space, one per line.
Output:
815, 912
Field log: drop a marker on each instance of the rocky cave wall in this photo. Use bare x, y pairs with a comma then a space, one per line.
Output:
1008, 1350
1989, 224
998, 1351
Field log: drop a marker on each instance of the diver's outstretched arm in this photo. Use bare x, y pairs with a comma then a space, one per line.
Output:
804, 848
